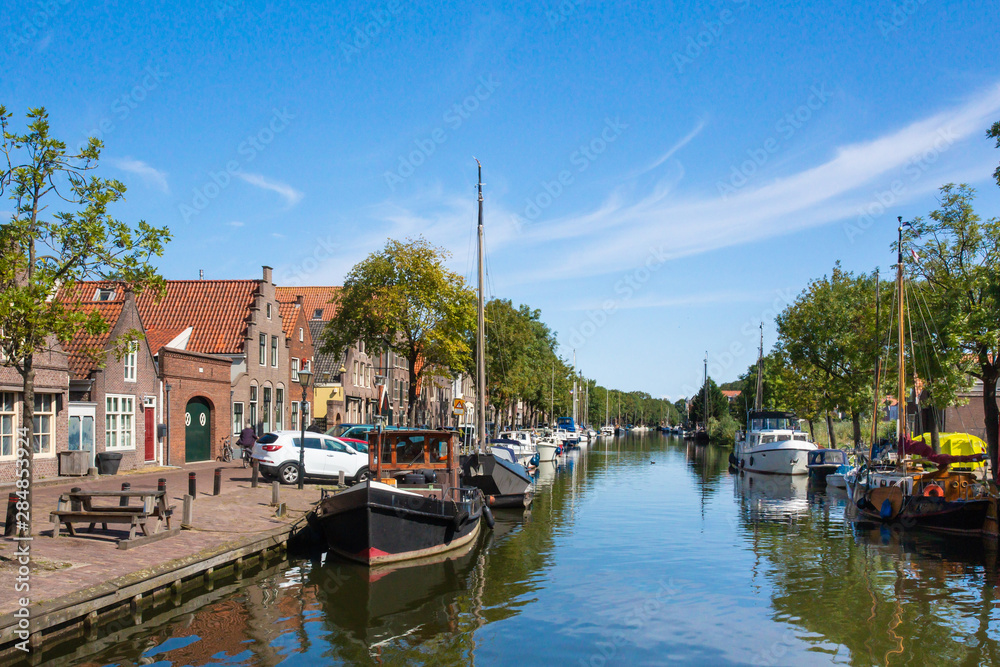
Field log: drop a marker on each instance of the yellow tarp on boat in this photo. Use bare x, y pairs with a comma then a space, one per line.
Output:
959, 444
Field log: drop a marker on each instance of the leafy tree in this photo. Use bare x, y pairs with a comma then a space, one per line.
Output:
43, 252
403, 299
718, 404
958, 255
994, 133
829, 334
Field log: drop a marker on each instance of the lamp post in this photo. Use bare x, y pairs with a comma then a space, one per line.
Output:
304, 377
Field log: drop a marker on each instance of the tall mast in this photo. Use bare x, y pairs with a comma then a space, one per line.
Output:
481, 334
878, 363
901, 407
759, 397
574, 387
552, 395
607, 398
706, 390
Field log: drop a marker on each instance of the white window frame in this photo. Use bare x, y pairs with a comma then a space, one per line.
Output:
50, 432
119, 421
262, 351
265, 402
279, 407
252, 405
295, 416
301, 335
274, 351
8, 424
238, 423
355, 375
295, 369
268, 309
128, 363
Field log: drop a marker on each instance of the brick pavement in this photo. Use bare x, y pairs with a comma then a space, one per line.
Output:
68, 564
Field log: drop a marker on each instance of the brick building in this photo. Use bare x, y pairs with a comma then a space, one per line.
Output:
197, 395
299, 341
51, 412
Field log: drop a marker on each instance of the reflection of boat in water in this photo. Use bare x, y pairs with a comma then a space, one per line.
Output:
545, 474
406, 603
773, 498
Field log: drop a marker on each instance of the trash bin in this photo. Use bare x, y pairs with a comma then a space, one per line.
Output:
74, 463
108, 462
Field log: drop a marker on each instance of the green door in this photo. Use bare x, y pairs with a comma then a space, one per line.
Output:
197, 430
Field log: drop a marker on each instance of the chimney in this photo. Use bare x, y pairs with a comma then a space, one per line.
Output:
267, 274
298, 300
201, 274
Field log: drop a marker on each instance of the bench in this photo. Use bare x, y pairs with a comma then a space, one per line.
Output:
147, 518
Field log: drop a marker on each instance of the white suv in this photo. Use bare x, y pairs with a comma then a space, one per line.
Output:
277, 454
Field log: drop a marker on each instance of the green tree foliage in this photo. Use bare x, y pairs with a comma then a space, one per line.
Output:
718, 404
43, 251
959, 258
829, 336
994, 133
403, 298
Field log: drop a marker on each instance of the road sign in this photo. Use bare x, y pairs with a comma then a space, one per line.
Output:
458, 407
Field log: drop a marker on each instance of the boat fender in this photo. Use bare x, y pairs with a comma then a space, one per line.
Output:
461, 518
751, 461
933, 491
886, 511
732, 459
490, 500
488, 515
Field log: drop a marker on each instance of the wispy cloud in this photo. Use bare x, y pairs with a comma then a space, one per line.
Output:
235, 223
673, 149
285, 191
686, 300
149, 174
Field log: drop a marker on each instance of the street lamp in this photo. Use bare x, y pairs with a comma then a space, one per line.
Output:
304, 377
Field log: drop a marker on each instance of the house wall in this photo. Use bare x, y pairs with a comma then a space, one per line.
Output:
51, 377
303, 351
969, 418
191, 374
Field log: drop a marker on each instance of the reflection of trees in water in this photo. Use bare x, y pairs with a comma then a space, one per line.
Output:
708, 463
889, 597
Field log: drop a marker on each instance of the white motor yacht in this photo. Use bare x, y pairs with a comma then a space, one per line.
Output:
773, 444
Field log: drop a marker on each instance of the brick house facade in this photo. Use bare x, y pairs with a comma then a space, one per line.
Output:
51, 412
191, 378
299, 341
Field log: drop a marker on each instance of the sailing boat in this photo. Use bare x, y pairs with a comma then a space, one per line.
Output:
503, 483
701, 433
939, 499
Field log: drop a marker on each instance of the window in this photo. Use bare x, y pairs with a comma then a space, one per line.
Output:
361, 346
253, 405
266, 410
295, 416
45, 423
119, 422
263, 349
274, 351
301, 335
128, 361
103, 294
268, 311
295, 369
279, 407
8, 400
81, 433
368, 376
318, 314
237, 417
355, 373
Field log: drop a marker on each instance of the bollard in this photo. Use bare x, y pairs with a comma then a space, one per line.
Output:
192, 485
188, 512
8, 524
124, 501
218, 482
255, 476
161, 484
340, 478
274, 492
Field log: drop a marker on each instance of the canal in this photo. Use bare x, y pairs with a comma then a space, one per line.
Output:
642, 550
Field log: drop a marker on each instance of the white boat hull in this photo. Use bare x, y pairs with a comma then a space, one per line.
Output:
546, 451
779, 458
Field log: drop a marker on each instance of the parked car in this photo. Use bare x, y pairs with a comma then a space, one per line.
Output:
359, 431
277, 454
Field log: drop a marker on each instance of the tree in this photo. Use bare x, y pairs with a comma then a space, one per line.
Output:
958, 255
718, 404
44, 252
403, 299
830, 330
994, 133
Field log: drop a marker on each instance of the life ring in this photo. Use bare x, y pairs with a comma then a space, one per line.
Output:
933, 491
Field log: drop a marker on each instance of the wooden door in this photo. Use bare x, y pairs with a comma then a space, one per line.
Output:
197, 430
150, 434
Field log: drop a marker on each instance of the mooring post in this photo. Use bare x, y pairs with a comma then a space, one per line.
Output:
218, 482
340, 478
255, 476
192, 485
124, 501
161, 484
188, 512
274, 492
8, 524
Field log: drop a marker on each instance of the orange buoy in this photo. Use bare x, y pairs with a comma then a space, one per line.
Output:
933, 491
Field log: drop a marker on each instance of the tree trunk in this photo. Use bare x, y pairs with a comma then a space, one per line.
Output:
856, 423
829, 430
812, 434
932, 422
411, 392
992, 415
28, 426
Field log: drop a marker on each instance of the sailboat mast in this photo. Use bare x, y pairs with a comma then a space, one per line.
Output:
480, 334
574, 387
706, 390
878, 363
759, 396
901, 406
552, 395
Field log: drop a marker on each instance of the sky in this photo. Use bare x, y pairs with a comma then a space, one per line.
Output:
659, 178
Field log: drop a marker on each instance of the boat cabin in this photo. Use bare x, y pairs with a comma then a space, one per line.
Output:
827, 458
399, 454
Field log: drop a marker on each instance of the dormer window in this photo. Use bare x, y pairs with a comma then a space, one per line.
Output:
318, 314
104, 294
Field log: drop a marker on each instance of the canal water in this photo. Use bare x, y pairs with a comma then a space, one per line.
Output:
642, 550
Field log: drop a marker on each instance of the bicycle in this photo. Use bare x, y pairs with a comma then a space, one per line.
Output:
227, 450
246, 456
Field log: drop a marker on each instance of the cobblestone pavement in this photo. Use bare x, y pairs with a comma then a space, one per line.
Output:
67, 564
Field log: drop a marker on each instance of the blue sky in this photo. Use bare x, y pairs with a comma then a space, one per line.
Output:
659, 177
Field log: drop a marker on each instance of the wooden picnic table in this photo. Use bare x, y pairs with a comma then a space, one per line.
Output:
148, 517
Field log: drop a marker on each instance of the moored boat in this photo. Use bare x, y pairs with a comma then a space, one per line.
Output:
823, 462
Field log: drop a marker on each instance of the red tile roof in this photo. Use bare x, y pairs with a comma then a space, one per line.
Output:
313, 299
216, 309
289, 312
86, 351
731, 393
